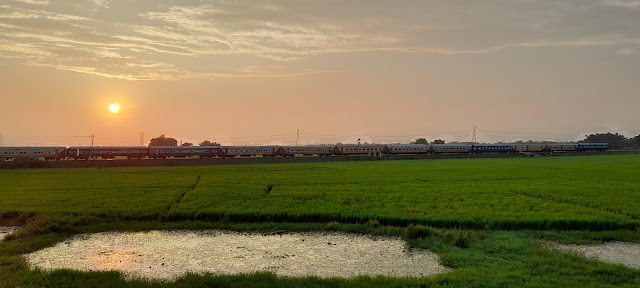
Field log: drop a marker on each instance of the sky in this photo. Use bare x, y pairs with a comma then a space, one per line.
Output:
311, 72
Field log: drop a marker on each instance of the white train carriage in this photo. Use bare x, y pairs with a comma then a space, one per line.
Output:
48, 153
529, 147
400, 149
566, 147
249, 151
322, 150
363, 149
450, 148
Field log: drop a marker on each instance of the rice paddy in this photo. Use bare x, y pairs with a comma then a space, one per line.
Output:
484, 218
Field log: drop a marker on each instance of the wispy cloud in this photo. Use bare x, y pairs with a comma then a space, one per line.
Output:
34, 2
622, 3
101, 3
210, 39
630, 51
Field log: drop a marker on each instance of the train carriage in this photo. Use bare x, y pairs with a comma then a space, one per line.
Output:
562, 147
163, 152
450, 148
308, 150
491, 148
593, 146
79, 153
107, 152
529, 148
363, 149
250, 151
48, 153
406, 149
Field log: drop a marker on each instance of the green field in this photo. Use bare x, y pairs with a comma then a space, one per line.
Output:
593, 193
504, 206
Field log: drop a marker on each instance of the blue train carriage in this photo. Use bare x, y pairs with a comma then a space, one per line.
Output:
406, 149
47, 153
593, 146
491, 148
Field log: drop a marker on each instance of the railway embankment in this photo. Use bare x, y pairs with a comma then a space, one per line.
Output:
100, 163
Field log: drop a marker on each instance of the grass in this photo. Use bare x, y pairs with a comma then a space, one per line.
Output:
486, 258
574, 193
485, 218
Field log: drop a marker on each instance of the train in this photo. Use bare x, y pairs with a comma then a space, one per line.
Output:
371, 150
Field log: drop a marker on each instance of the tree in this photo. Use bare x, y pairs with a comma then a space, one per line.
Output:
616, 141
439, 141
209, 143
420, 141
163, 141
633, 143
187, 144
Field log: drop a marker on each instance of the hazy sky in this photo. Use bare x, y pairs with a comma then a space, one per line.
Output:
253, 72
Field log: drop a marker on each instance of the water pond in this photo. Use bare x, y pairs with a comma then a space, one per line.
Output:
166, 255
627, 254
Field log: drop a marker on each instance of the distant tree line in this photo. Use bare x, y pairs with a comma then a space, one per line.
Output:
163, 140
424, 141
616, 141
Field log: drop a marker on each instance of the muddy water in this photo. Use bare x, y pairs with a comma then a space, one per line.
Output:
627, 254
169, 254
4, 231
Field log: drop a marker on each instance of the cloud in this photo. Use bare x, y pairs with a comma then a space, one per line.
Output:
210, 30
630, 51
622, 3
207, 39
101, 3
34, 2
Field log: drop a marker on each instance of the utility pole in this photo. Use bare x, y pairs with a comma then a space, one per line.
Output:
92, 136
1, 140
141, 138
298, 138
474, 139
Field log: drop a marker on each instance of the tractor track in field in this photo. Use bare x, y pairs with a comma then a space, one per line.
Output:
184, 193
576, 203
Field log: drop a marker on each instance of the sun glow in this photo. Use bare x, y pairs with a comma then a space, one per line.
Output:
114, 108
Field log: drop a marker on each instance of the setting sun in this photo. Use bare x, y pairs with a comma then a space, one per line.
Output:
114, 108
